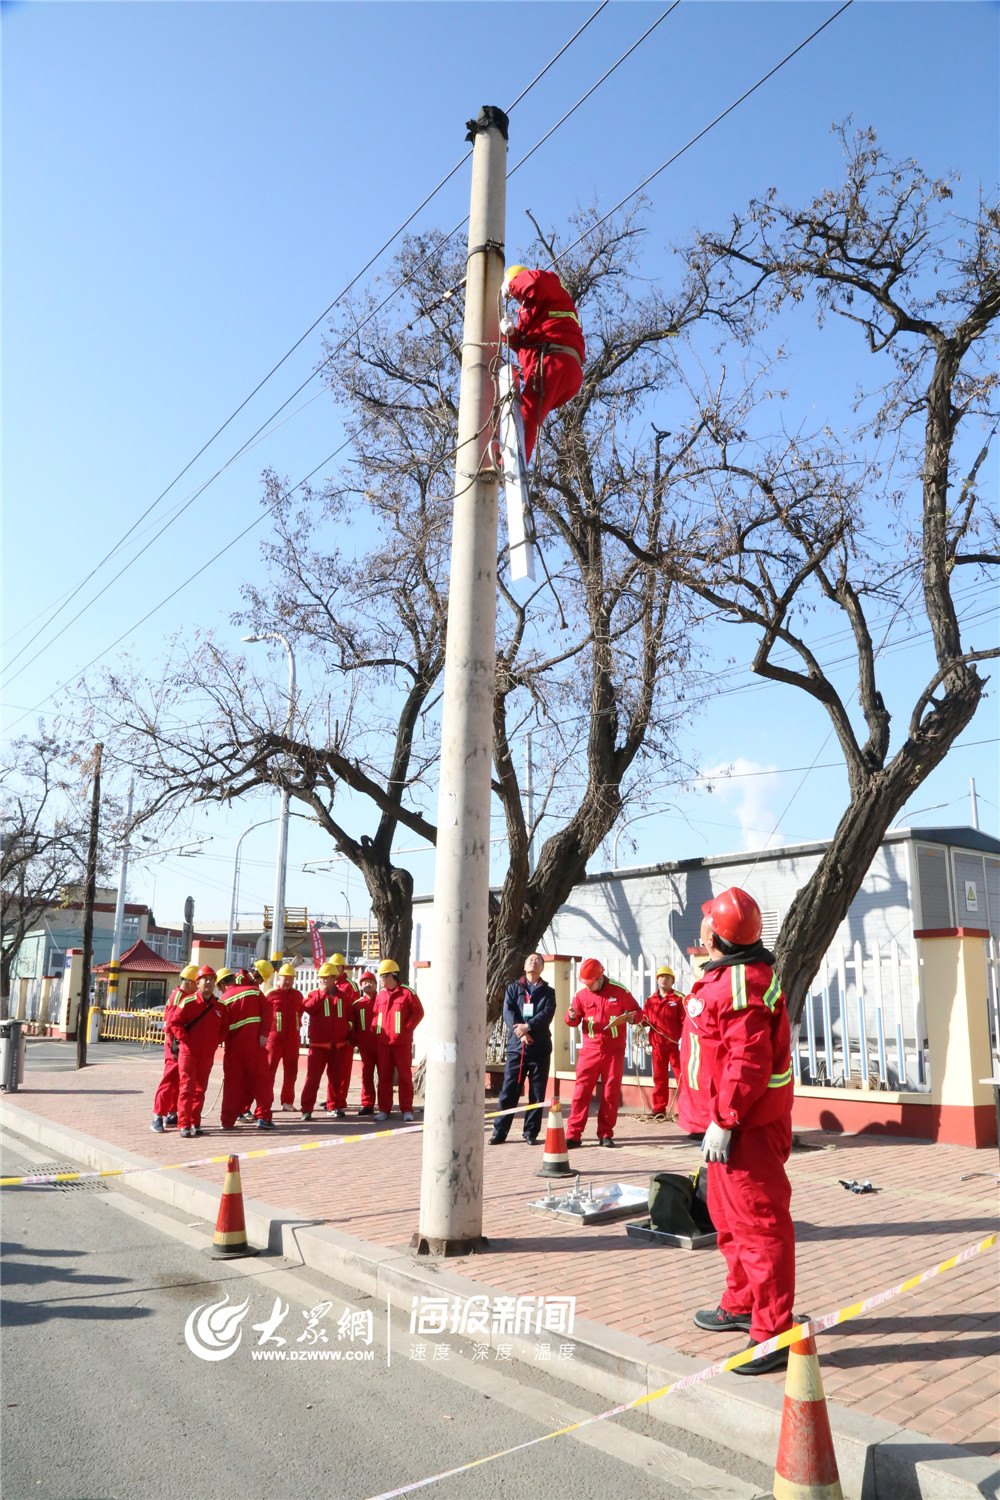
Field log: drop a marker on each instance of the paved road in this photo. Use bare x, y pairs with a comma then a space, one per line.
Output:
104, 1400
44, 1054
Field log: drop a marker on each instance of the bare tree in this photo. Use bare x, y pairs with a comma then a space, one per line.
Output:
795, 530
44, 840
589, 661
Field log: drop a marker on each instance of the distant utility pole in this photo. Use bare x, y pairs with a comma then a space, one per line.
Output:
451, 1187
973, 798
90, 890
116, 942
187, 931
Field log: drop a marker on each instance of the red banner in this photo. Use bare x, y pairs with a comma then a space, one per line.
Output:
319, 952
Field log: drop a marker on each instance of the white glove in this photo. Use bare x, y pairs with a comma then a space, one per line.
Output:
715, 1146
506, 324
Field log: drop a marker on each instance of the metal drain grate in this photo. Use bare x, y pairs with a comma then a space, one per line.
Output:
49, 1168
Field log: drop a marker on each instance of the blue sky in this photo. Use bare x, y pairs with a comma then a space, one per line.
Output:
187, 186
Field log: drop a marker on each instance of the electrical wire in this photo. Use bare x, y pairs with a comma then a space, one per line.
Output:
273, 371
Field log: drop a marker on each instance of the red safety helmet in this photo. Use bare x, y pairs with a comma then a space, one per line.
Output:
590, 969
206, 972
735, 916
367, 975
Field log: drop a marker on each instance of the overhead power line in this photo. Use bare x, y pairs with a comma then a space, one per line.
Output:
60, 606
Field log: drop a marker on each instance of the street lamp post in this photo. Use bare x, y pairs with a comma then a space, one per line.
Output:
347, 946
278, 918
236, 877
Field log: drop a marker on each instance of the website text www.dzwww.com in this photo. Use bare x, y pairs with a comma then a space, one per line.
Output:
357, 1354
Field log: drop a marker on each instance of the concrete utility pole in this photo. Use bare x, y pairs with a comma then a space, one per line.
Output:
451, 1185
116, 941
90, 889
973, 798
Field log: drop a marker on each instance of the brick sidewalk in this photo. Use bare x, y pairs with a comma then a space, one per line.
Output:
929, 1362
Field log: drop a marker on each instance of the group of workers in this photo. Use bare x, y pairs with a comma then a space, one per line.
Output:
260, 1033
728, 1044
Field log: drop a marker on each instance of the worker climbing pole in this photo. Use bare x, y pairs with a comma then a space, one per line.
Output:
548, 341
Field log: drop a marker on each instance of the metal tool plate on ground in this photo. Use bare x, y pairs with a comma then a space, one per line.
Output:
594, 1204
642, 1229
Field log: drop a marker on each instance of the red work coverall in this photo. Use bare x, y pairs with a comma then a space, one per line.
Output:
397, 1016
366, 1041
666, 1015
165, 1102
283, 1039
694, 1106
743, 1019
347, 991
550, 376
245, 1073
329, 1035
198, 1024
601, 1055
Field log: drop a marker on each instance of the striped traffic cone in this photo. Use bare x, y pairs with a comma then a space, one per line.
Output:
555, 1157
230, 1238
807, 1465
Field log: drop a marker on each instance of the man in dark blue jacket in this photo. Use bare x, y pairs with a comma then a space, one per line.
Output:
528, 1007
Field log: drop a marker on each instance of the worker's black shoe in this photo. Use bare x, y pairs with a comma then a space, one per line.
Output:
198, 1131
266, 1125
307, 1116
170, 1120
188, 1131
530, 1140
341, 1114
366, 1110
157, 1124
571, 1144
605, 1140
776, 1360
247, 1117
720, 1321
496, 1140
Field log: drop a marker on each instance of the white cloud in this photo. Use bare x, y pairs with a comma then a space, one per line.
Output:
753, 794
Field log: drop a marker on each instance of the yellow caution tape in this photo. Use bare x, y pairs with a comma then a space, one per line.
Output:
207, 1161
780, 1341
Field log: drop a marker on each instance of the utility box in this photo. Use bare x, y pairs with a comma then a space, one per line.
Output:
12, 1049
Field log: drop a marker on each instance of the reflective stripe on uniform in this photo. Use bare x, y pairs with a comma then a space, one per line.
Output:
739, 972
326, 1007
772, 992
398, 1022
247, 1020
778, 1080
694, 1061
572, 315
277, 1021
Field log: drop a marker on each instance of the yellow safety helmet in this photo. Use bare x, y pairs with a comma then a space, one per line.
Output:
508, 277
224, 974
264, 968
287, 969
387, 966
664, 969
327, 971
190, 972
339, 959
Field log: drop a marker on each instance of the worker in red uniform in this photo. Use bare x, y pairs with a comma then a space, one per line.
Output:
246, 1076
548, 341
165, 1101
398, 1013
663, 1018
330, 1019
602, 1010
739, 1009
347, 990
198, 1023
366, 1039
283, 1041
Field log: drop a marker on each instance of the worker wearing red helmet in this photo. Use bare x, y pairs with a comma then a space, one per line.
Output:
366, 1038
663, 1018
738, 1008
198, 1023
246, 1077
602, 1010
283, 1039
548, 341
398, 1013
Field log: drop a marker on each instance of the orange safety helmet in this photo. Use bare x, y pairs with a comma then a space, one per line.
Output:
590, 969
367, 975
735, 917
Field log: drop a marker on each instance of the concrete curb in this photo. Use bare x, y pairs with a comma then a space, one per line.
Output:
878, 1460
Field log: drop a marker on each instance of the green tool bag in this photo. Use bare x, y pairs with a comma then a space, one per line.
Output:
677, 1203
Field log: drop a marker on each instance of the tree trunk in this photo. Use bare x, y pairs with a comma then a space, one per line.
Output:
822, 903
391, 892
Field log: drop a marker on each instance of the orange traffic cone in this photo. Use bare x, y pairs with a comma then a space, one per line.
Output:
555, 1157
230, 1238
807, 1465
